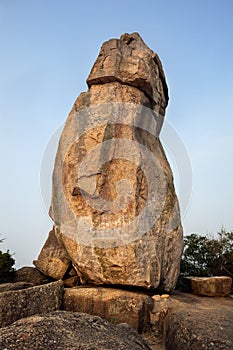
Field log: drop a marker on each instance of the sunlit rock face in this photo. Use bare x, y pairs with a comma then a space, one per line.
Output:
114, 205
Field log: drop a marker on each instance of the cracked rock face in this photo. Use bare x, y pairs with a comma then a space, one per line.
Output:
114, 205
131, 62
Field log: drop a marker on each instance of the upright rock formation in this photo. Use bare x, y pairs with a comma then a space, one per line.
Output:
114, 205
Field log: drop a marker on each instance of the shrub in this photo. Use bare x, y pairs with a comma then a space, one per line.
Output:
203, 256
6, 266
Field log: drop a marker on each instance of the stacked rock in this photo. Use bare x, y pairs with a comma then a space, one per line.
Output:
116, 215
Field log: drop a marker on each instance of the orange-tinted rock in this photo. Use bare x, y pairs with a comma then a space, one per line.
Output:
117, 306
53, 260
71, 282
217, 286
114, 204
130, 62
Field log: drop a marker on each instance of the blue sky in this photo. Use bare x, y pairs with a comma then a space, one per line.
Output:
47, 51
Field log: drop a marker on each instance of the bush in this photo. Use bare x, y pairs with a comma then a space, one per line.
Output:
6, 266
203, 256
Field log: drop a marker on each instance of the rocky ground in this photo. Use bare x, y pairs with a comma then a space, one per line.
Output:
70, 331
42, 317
196, 323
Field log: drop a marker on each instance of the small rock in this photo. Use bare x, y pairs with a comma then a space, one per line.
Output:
217, 286
31, 275
165, 296
71, 272
53, 260
71, 282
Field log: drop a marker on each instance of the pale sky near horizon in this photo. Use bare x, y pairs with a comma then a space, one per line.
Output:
47, 51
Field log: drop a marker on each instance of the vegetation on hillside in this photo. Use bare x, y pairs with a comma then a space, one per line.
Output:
6, 266
205, 256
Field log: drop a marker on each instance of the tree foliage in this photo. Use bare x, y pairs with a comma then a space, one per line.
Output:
203, 256
6, 266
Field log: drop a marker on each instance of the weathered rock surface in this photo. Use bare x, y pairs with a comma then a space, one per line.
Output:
53, 260
16, 304
31, 275
181, 321
217, 286
115, 305
5, 287
114, 204
130, 62
196, 323
71, 282
70, 331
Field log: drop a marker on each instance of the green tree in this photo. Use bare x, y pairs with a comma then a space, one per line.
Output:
6, 266
203, 256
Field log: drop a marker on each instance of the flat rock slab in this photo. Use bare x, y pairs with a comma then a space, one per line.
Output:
196, 323
115, 305
217, 286
16, 304
70, 331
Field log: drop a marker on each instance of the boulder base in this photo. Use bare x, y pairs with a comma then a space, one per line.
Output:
117, 306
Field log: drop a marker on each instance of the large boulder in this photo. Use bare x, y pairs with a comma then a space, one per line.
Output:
70, 331
115, 305
17, 304
114, 204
